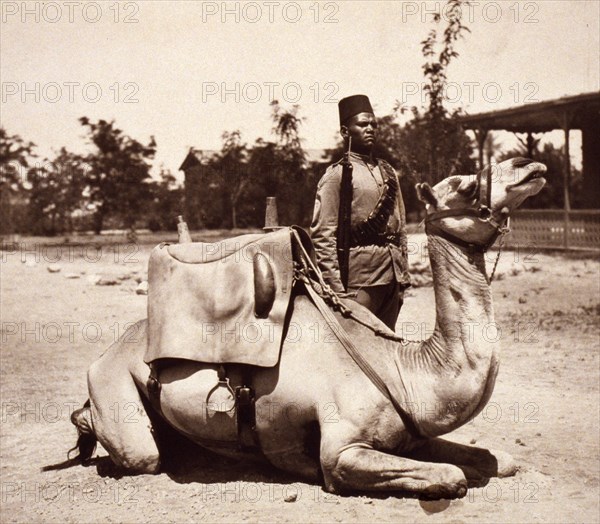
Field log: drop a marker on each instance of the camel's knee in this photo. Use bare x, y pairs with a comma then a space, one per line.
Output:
344, 473
101, 377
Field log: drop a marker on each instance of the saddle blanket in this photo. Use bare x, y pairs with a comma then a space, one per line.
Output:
220, 302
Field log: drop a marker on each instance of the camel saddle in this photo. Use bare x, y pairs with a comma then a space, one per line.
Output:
222, 302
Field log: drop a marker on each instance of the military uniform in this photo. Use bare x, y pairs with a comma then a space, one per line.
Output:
378, 268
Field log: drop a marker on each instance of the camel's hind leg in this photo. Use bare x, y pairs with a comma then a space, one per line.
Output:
120, 420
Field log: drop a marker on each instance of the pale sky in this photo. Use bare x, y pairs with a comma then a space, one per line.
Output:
191, 70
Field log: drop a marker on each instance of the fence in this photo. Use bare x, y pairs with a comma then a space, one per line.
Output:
554, 228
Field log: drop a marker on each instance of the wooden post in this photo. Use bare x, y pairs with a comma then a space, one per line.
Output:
183, 231
271, 215
566, 121
590, 145
530, 145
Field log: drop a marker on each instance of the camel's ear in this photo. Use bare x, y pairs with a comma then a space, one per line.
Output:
468, 187
426, 194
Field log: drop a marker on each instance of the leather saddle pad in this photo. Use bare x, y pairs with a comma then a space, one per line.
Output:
222, 302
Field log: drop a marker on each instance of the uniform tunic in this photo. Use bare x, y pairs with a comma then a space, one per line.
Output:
371, 265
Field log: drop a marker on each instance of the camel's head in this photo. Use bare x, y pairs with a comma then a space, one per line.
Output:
510, 183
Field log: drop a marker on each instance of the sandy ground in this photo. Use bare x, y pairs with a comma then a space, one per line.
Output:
544, 411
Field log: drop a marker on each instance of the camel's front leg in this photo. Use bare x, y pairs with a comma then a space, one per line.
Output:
485, 463
359, 467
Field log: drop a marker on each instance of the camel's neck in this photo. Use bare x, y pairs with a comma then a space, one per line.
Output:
448, 378
464, 333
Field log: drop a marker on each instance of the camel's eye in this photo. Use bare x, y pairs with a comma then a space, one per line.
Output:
468, 188
521, 162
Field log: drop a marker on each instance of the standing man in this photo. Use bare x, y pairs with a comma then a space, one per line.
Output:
359, 224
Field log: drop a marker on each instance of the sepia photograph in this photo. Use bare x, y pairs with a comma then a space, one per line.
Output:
300, 261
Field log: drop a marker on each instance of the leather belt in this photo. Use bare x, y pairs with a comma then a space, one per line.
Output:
378, 240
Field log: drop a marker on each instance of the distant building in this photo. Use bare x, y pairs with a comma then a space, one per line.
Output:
205, 202
198, 184
568, 228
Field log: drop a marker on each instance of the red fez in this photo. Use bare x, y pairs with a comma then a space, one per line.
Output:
353, 105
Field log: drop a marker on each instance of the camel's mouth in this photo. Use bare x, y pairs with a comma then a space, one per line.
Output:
536, 172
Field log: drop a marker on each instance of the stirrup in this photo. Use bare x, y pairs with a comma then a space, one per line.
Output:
221, 398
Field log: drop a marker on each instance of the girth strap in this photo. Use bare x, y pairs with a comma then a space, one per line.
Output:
153, 386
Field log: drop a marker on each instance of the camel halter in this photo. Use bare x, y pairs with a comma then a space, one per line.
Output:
481, 211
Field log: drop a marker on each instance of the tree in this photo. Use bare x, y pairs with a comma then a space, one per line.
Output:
167, 203
119, 173
433, 159
290, 176
230, 169
434, 142
15, 153
56, 191
263, 181
15, 156
276, 168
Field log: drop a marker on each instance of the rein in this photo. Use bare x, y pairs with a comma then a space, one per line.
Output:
481, 212
323, 299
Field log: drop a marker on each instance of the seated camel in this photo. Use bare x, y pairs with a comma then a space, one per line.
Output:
368, 408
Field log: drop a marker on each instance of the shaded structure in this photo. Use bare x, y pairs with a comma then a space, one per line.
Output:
579, 228
200, 187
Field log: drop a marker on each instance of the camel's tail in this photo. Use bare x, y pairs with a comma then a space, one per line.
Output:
86, 441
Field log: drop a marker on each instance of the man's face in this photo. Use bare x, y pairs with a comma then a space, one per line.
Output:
362, 128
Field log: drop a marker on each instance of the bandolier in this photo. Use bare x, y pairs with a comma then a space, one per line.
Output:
359, 223
371, 231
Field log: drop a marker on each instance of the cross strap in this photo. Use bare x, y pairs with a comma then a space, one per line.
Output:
360, 360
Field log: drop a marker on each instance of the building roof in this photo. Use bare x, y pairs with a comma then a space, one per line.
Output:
539, 117
197, 157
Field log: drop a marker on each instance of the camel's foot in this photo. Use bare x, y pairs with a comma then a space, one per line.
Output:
444, 491
444, 481
507, 466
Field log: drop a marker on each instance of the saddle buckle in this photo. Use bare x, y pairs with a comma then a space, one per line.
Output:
246, 418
